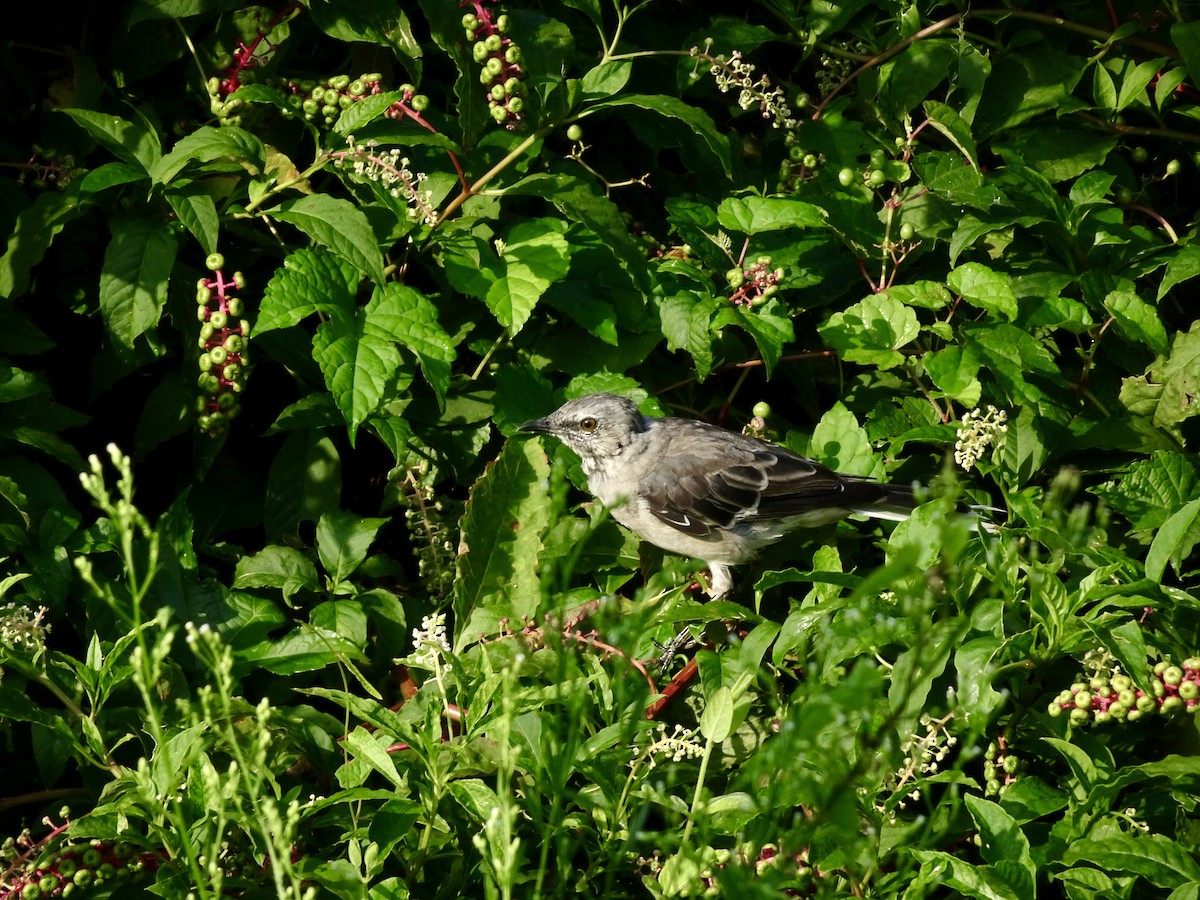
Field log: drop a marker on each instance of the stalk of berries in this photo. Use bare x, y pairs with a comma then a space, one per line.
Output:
223, 347
33, 870
500, 62
755, 284
1103, 700
323, 101
1000, 767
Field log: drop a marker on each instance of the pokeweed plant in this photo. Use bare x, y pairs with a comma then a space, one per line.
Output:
313, 263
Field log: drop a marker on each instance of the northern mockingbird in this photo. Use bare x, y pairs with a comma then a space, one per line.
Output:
698, 490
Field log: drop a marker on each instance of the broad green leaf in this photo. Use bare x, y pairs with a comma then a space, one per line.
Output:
1168, 392
1183, 264
359, 358
311, 280
208, 143
303, 483
128, 141
304, 649
369, 748
365, 111
606, 79
1151, 490
506, 516
716, 722
1186, 36
1154, 857
276, 566
1002, 840
196, 210
133, 279
36, 227
978, 882
535, 255
343, 539
1174, 541
1137, 320
410, 318
1062, 153
944, 175
338, 225
1011, 356
872, 331
770, 325
685, 321
946, 120
985, 288
922, 294
698, 123
754, 215
841, 443
955, 371
109, 175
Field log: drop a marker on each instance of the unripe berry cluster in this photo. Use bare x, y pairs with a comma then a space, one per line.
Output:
322, 102
33, 870
500, 63
224, 336
432, 523
755, 284
800, 165
1000, 768
1102, 700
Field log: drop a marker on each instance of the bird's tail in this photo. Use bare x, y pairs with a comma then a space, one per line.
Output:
895, 502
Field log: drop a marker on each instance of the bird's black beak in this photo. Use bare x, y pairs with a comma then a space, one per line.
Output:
537, 426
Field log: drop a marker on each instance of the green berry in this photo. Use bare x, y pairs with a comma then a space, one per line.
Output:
493, 66
512, 55
735, 278
846, 177
1124, 196
907, 231
1139, 155
1173, 167
1172, 675
419, 103
876, 178
500, 114
310, 107
877, 159
497, 93
214, 261
470, 21
340, 82
493, 43
218, 319
372, 77
205, 362
761, 410
1082, 700
515, 105
356, 89
218, 355
233, 343
234, 306
574, 133
479, 52
1189, 690
502, 24
809, 160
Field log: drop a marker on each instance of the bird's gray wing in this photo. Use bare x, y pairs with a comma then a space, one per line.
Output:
711, 479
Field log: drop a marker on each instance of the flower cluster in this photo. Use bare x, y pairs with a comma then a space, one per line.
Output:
46, 168
1115, 698
223, 347
391, 171
22, 630
978, 432
500, 61
733, 74
1000, 767
35, 869
676, 746
755, 284
430, 645
924, 754
835, 66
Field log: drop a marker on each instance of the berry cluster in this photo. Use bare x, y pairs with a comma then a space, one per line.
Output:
323, 101
1000, 767
1115, 699
223, 351
44, 868
432, 522
500, 62
800, 165
755, 284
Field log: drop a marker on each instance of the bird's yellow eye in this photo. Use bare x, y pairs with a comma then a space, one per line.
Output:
588, 424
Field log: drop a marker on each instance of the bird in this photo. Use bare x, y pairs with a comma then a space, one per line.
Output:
701, 491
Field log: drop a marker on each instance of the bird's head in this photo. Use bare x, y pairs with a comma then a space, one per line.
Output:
596, 426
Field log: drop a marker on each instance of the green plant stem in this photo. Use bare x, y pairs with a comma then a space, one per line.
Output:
700, 776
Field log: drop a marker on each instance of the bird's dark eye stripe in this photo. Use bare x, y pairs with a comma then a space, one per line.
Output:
587, 423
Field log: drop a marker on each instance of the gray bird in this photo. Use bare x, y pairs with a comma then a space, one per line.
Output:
698, 490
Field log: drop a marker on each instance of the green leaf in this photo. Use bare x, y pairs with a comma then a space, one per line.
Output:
955, 371
1012, 356
1002, 840
716, 722
365, 111
979, 882
1152, 489
606, 79
985, 288
36, 227
133, 279
369, 748
303, 483
754, 215
338, 225
1154, 857
129, 142
276, 566
310, 281
208, 143
1137, 320
872, 331
698, 123
1174, 541
343, 539
685, 320
770, 325
1186, 36
535, 255
841, 443
196, 210
1182, 265
946, 120
410, 318
1167, 394
506, 516
1061, 154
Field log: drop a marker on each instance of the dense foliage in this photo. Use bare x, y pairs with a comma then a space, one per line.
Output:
286, 609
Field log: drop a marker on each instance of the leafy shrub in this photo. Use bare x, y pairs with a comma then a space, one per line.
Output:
302, 270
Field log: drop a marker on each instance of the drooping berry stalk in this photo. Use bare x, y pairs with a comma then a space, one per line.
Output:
500, 61
224, 336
